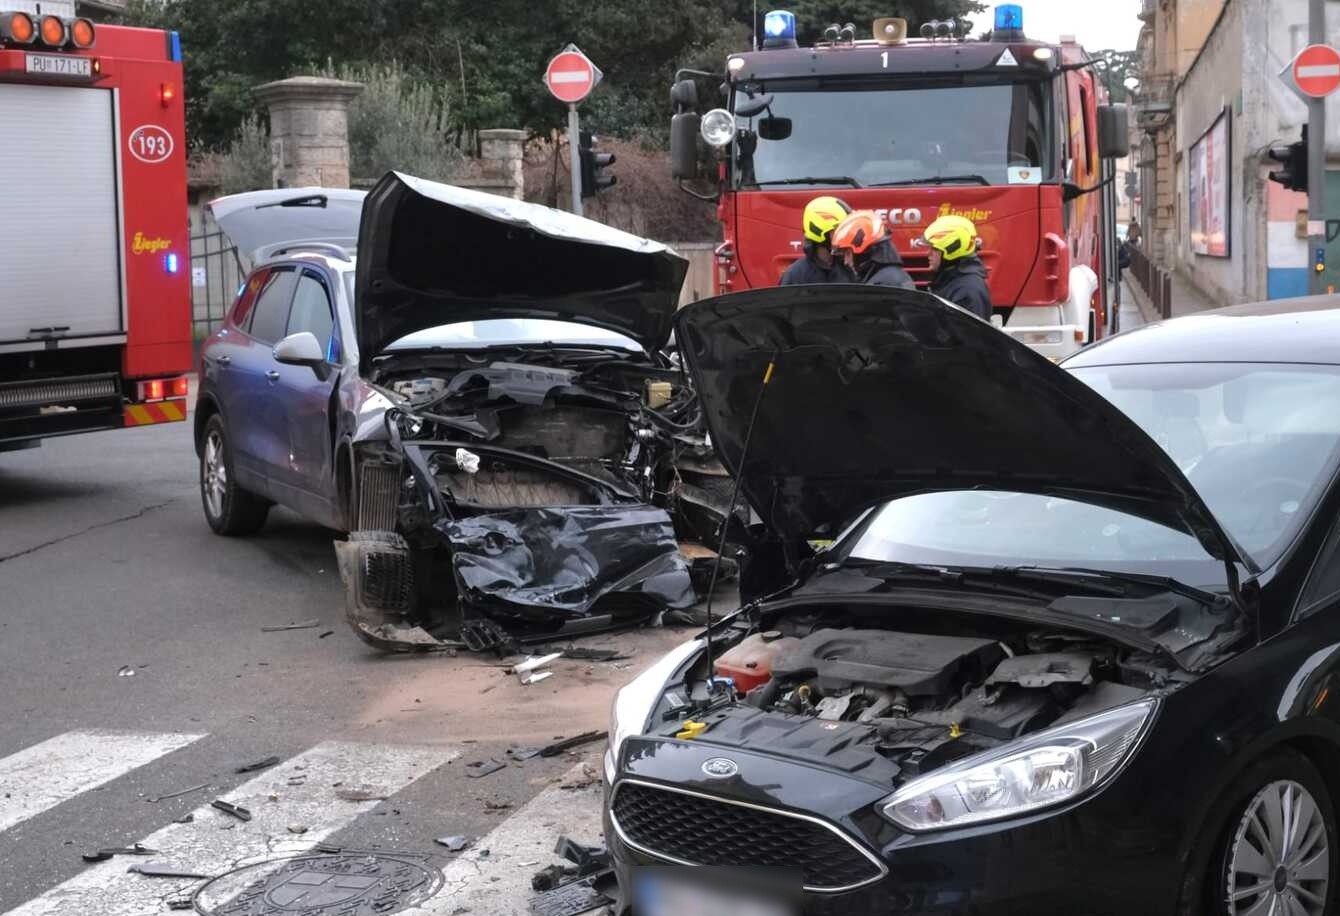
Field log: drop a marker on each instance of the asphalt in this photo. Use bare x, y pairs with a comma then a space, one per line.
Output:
106, 562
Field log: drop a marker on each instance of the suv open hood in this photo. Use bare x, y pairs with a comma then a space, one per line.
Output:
877, 393
430, 254
265, 223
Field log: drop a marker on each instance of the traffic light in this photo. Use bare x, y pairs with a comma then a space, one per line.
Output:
593, 165
1293, 159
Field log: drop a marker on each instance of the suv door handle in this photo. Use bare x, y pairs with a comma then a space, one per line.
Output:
224, 360
272, 375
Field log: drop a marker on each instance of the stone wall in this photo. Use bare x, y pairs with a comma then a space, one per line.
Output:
309, 130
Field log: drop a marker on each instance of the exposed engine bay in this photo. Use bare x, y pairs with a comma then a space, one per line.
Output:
545, 487
901, 693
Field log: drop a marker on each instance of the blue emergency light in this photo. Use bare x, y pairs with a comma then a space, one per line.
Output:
1009, 18
170, 263
779, 29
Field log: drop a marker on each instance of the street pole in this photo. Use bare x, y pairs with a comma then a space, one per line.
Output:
575, 158
1316, 160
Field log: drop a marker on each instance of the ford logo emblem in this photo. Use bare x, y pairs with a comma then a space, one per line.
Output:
720, 768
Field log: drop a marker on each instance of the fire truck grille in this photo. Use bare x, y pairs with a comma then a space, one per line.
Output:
59, 391
697, 830
378, 496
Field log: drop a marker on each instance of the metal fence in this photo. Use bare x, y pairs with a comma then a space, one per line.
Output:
216, 274
1155, 281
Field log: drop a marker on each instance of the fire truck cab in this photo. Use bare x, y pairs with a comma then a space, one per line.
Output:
1012, 133
95, 296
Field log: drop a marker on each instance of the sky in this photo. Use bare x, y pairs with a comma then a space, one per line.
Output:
1098, 24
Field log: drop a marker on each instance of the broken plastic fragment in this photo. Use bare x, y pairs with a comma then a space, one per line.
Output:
467, 461
454, 843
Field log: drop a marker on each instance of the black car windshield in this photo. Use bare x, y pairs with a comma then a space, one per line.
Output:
960, 132
504, 332
1258, 441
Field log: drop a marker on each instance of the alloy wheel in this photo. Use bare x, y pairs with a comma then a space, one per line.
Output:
1280, 860
215, 479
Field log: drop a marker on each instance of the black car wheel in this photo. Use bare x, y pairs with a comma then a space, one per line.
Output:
1278, 852
229, 509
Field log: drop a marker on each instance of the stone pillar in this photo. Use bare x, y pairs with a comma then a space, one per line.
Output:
309, 130
501, 153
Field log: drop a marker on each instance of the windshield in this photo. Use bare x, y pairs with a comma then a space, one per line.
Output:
503, 332
961, 132
1258, 442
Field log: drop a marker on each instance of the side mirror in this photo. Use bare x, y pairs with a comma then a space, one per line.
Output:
1114, 138
750, 107
684, 145
684, 94
300, 349
774, 128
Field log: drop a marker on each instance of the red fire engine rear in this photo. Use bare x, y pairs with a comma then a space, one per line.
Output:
95, 301
1009, 132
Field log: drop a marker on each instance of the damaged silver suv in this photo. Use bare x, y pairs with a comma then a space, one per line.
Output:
476, 390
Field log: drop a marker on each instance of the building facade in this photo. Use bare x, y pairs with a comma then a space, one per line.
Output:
1210, 106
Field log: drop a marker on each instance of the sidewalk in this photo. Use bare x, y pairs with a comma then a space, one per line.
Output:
1186, 298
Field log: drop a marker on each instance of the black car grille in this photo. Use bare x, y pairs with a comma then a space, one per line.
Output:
696, 830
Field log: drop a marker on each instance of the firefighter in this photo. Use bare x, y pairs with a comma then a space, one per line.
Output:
862, 243
822, 216
957, 274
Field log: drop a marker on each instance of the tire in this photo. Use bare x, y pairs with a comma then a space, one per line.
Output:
230, 510
1245, 875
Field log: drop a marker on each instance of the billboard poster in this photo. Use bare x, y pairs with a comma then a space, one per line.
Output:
1208, 173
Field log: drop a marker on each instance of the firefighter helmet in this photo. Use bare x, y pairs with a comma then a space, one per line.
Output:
822, 216
860, 232
953, 236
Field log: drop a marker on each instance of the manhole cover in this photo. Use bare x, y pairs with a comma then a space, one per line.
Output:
349, 884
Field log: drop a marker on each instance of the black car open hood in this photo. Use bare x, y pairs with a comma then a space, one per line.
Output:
877, 393
431, 254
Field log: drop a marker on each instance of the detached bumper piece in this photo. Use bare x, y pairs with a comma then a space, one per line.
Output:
60, 406
378, 573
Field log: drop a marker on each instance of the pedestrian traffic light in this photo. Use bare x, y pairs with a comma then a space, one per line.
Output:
594, 164
1293, 159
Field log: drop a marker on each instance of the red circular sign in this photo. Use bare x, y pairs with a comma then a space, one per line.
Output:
1316, 70
570, 77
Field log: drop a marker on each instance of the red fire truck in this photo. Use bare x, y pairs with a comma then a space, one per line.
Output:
95, 300
1012, 133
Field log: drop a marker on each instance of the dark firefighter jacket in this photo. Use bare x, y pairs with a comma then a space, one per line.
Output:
963, 282
807, 270
885, 268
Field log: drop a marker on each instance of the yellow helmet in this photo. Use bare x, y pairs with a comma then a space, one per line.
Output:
953, 236
822, 216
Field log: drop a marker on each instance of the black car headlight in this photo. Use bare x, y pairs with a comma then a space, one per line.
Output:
1044, 769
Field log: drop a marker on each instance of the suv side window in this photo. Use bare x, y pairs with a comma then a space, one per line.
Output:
1323, 581
241, 313
311, 309
270, 316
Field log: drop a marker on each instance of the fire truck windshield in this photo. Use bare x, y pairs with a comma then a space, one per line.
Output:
832, 135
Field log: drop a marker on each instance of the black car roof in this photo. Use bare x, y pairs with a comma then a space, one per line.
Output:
1303, 330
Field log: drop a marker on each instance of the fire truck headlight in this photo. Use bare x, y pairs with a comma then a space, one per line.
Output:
718, 127
18, 28
82, 33
53, 31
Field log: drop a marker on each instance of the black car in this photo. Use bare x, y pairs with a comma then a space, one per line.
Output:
1072, 650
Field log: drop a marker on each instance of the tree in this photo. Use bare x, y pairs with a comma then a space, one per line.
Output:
1115, 69
484, 59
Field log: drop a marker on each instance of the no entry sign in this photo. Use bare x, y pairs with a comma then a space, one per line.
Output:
571, 76
1316, 70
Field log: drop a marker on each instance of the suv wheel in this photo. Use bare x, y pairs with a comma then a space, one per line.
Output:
229, 509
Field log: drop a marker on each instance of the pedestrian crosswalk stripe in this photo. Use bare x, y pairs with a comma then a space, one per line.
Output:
43, 776
300, 792
493, 876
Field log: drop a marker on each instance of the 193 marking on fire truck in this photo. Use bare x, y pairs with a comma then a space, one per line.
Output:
51, 65
151, 143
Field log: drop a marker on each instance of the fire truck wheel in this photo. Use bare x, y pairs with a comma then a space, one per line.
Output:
229, 509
